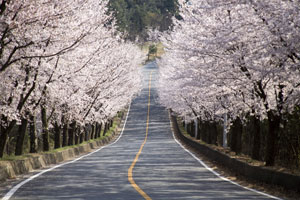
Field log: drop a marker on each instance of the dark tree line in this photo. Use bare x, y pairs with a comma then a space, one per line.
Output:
249, 137
135, 16
60, 135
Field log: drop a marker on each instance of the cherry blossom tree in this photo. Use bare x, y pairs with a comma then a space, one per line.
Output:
234, 57
62, 62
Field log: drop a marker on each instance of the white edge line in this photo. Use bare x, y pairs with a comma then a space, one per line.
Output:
15, 188
214, 172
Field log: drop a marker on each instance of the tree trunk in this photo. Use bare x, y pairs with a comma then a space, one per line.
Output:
57, 136
86, 133
206, 132
96, 131
256, 138
236, 136
201, 130
21, 136
72, 133
198, 129
192, 124
272, 135
209, 133
100, 128
213, 133
77, 132
4, 136
45, 134
65, 133
81, 136
105, 128
92, 131
3, 141
76, 138
32, 133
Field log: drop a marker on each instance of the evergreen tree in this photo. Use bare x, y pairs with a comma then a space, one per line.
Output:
134, 17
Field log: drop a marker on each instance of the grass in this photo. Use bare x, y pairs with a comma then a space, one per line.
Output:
13, 157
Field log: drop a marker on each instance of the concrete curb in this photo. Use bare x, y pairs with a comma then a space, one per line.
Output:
287, 181
12, 169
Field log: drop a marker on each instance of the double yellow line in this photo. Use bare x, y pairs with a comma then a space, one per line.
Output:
130, 178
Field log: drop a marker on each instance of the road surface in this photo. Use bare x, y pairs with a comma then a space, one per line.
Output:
145, 163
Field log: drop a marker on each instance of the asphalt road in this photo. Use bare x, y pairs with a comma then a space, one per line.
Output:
163, 170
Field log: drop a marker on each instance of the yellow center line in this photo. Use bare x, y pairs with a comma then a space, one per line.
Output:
130, 178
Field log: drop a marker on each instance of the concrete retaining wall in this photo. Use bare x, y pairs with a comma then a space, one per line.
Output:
288, 181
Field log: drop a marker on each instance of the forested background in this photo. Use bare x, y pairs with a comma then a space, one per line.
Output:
134, 17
